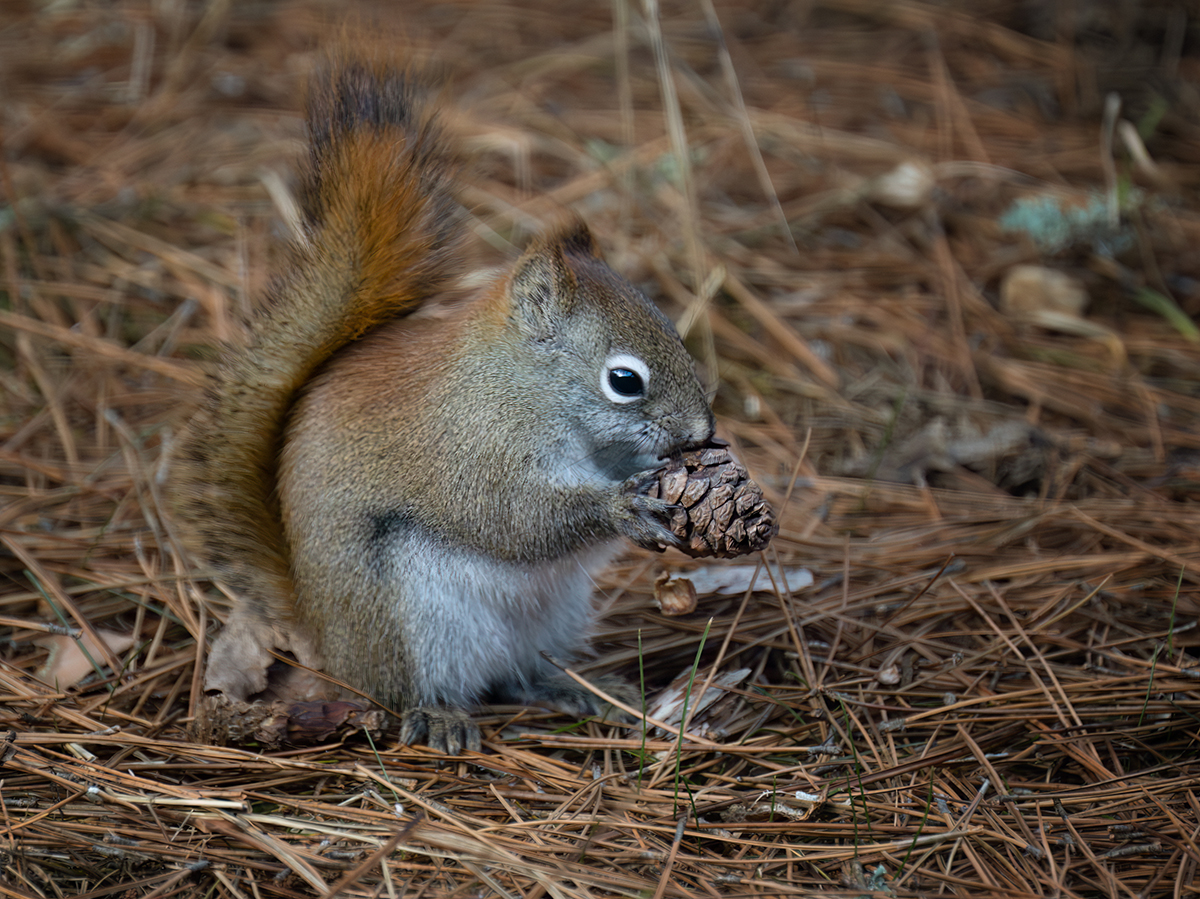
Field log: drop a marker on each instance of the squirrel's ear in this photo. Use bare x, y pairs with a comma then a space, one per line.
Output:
577, 240
543, 286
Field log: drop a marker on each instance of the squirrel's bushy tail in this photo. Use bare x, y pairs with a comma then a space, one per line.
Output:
380, 234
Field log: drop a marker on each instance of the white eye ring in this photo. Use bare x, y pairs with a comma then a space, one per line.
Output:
625, 378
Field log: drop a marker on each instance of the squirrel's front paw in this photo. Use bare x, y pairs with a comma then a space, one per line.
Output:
646, 520
446, 730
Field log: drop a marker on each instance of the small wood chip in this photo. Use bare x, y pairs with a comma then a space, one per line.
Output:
674, 595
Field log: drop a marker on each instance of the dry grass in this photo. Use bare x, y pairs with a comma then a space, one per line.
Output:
991, 687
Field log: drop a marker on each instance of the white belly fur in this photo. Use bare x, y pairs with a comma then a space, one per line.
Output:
479, 623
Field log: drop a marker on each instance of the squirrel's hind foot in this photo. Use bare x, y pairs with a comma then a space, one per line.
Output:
564, 695
444, 729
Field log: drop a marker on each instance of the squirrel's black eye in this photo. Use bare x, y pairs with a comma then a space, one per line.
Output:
625, 378
626, 382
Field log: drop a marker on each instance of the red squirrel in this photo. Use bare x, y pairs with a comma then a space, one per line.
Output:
416, 505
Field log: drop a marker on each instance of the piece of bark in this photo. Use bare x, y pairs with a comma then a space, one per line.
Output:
721, 512
222, 721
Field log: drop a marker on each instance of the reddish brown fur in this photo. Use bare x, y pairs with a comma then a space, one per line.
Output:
382, 235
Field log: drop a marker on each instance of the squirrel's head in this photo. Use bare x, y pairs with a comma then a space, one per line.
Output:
628, 388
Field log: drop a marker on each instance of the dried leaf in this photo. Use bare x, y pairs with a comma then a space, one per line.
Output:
71, 660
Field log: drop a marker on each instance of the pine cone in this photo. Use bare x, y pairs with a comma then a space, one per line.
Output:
722, 512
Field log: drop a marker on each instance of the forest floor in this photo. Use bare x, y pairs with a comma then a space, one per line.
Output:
938, 261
